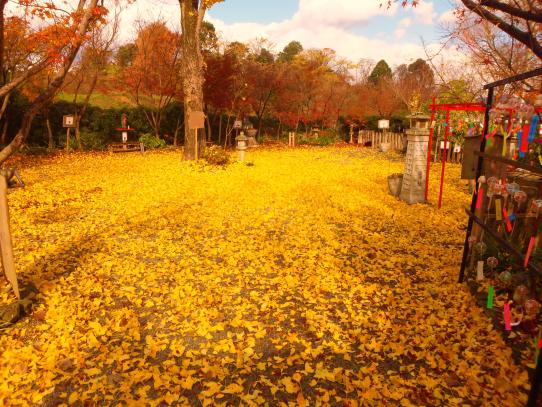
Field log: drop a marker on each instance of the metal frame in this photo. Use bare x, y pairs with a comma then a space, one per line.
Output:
537, 376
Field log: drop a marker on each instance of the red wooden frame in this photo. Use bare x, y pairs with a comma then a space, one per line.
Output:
447, 107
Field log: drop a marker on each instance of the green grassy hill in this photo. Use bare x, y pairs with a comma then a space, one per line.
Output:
102, 100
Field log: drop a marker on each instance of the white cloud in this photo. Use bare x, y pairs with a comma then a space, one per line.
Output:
339, 13
148, 10
401, 29
348, 45
447, 17
316, 24
425, 12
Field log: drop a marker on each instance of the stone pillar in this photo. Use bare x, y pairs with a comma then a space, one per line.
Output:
413, 189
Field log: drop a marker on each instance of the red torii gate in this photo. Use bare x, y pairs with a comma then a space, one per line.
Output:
447, 107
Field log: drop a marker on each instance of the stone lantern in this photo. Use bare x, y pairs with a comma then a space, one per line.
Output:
413, 188
241, 145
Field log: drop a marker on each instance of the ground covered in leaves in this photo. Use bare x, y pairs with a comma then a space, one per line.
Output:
294, 281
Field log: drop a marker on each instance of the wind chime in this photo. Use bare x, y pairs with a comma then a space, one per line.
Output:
514, 215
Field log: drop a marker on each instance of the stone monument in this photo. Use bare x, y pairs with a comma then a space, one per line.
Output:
413, 188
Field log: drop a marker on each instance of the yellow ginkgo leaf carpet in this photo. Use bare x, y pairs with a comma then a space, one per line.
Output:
297, 280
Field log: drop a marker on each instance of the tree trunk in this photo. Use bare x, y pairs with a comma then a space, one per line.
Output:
4, 132
220, 128
6, 247
192, 13
228, 131
51, 144
176, 134
208, 127
77, 132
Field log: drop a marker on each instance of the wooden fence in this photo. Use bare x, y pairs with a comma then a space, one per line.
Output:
454, 153
375, 138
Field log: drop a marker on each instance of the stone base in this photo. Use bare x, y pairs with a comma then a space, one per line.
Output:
413, 197
413, 188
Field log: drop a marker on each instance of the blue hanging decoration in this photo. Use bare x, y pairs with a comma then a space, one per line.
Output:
533, 128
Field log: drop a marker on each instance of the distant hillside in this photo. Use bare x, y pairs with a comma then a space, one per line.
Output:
104, 101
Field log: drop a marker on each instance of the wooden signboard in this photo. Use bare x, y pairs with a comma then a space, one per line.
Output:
383, 124
237, 124
68, 120
196, 120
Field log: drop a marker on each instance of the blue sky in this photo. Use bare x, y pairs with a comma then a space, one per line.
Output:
355, 29
237, 11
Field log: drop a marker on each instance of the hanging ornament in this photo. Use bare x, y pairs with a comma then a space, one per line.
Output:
532, 307
490, 295
533, 128
508, 219
491, 183
512, 188
480, 248
529, 251
520, 197
480, 271
505, 278
498, 210
536, 205
521, 295
480, 197
507, 317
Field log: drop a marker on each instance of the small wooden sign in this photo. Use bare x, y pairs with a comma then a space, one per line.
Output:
68, 120
383, 124
196, 120
237, 124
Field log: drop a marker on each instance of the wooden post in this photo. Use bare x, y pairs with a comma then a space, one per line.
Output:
5, 238
196, 152
68, 139
444, 154
373, 141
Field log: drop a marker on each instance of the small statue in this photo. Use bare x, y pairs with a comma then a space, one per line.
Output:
123, 121
414, 103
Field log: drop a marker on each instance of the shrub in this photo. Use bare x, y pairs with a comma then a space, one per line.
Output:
91, 140
216, 155
151, 141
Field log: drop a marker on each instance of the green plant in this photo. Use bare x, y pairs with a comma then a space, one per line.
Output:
216, 155
151, 141
91, 140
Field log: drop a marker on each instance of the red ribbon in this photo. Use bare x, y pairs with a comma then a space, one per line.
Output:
479, 199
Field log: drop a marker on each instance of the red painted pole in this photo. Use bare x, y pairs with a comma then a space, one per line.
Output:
429, 148
444, 154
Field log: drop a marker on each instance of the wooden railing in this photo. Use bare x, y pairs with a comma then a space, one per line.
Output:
375, 139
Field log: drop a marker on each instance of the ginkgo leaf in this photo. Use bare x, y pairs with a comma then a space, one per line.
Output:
289, 385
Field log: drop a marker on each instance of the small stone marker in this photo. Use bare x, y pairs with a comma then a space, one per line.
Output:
291, 139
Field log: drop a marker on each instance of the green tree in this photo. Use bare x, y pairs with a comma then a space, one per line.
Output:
208, 37
290, 51
125, 55
265, 57
381, 70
